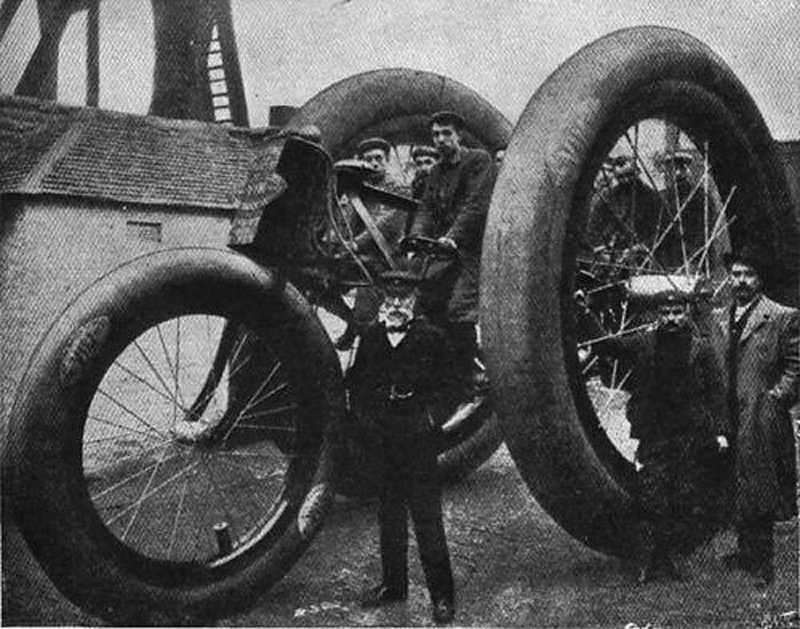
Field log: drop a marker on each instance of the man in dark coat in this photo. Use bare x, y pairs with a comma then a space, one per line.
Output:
401, 367
624, 211
758, 347
677, 412
453, 210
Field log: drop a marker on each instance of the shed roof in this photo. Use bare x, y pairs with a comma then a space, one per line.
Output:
49, 148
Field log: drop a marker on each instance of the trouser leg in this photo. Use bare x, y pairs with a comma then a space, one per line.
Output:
464, 338
393, 523
756, 542
426, 512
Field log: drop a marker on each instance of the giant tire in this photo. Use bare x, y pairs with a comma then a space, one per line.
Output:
44, 484
529, 258
396, 104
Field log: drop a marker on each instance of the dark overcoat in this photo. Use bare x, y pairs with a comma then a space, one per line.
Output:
702, 403
765, 389
454, 205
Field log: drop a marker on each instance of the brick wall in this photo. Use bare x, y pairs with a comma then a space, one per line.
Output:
51, 248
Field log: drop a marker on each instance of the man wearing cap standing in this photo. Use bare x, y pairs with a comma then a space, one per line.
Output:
676, 410
758, 346
399, 370
453, 210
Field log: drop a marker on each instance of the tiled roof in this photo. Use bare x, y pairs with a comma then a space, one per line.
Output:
47, 148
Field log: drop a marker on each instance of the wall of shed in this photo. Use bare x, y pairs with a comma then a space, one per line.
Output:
51, 248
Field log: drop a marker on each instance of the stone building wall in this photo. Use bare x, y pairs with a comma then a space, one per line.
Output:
53, 247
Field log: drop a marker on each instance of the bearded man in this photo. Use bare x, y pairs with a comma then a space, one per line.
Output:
401, 366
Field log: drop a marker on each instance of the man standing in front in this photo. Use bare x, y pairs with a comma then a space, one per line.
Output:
453, 210
676, 411
401, 366
758, 345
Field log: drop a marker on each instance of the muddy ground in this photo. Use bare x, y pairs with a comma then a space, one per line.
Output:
513, 567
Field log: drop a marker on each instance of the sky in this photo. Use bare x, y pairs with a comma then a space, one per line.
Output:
504, 49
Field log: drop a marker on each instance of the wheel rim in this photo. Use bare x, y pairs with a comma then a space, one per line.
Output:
187, 487
649, 226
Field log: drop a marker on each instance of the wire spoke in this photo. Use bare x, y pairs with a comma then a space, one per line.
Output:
178, 511
130, 477
156, 372
172, 370
273, 411
144, 452
145, 382
249, 404
133, 414
153, 491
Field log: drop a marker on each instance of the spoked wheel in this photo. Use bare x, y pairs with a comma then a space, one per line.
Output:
148, 494
576, 249
396, 104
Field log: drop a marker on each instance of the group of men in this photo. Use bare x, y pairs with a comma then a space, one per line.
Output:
694, 399
407, 360
711, 415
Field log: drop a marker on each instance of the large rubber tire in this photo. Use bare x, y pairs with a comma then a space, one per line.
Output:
396, 104
44, 484
529, 250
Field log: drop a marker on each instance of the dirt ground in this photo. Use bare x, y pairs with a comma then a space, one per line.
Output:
513, 566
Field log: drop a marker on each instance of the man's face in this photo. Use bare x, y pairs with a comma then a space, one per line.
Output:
672, 317
377, 159
498, 158
399, 307
623, 168
424, 163
681, 171
745, 282
446, 139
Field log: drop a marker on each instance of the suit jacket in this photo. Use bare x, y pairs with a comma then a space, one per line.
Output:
766, 386
419, 372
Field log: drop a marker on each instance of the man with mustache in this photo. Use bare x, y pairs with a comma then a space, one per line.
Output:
758, 346
676, 411
402, 366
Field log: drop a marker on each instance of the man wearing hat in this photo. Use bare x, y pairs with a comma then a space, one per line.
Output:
676, 410
623, 211
453, 209
389, 221
399, 371
424, 158
758, 346
375, 152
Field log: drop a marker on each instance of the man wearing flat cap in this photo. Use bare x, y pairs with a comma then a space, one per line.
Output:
424, 158
758, 347
398, 373
676, 410
389, 221
453, 210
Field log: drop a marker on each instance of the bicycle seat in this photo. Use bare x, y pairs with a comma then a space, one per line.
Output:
351, 173
428, 247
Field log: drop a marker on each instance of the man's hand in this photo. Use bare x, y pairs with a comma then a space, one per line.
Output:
448, 241
722, 442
